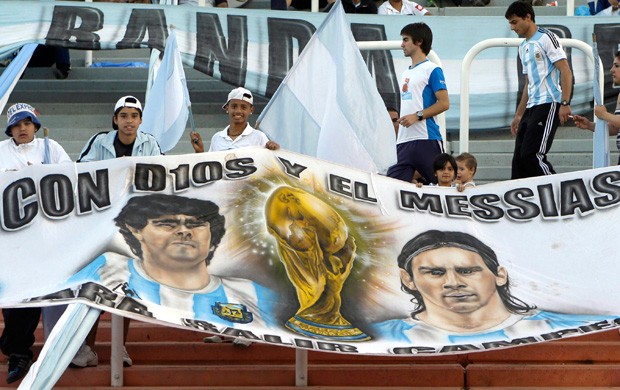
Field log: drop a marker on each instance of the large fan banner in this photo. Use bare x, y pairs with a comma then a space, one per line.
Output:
256, 48
286, 249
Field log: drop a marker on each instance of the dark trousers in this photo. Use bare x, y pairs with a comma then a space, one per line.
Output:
414, 156
19, 327
534, 139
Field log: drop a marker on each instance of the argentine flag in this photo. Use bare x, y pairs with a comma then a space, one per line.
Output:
328, 105
167, 106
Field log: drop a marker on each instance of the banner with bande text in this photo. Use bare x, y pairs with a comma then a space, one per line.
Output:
290, 250
256, 48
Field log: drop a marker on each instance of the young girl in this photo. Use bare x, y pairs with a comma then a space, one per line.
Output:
467, 166
444, 168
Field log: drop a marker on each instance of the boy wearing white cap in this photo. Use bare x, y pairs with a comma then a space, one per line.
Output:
239, 133
21, 150
126, 140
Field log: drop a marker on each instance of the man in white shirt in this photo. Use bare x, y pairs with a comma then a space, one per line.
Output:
239, 133
402, 7
21, 150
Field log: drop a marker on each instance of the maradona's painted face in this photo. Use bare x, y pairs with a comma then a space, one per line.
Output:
454, 279
175, 241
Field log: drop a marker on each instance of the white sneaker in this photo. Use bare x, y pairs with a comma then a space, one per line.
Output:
241, 342
85, 357
127, 362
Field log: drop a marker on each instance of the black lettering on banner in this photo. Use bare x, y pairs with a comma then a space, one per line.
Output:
17, 210
180, 177
207, 172
511, 343
56, 196
547, 201
525, 210
199, 324
97, 293
596, 326
292, 169
93, 192
361, 192
64, 23
412, 200
457, 205
483, 208
379, 62
141, 22
240, 167
559, 334
574, 195
270, 338
246, 334
281, 35
130, 305
604, 183
304, 343
149, 177
211, 47
342, 185
336, 347
412, 350
459, 348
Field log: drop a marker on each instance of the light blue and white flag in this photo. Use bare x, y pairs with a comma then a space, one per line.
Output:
167, 105
328, 105
13, 72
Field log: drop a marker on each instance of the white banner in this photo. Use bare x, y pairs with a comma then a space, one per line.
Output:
285, 249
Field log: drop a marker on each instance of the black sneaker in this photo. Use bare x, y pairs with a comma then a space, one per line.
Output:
18, 367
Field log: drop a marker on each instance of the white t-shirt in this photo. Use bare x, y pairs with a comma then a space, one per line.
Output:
249, 137
408, 8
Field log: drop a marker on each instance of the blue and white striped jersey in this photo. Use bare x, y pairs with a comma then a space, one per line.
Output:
538, 54
225, 301
418, 86
534, 324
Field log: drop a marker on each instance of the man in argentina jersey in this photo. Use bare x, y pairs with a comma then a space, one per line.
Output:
462, 296
613, 120
545, 101
173, 239
423, 97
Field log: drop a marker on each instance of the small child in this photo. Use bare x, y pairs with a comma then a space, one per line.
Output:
444, 167
467, 166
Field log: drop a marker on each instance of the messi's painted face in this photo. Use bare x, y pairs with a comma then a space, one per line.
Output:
453, 279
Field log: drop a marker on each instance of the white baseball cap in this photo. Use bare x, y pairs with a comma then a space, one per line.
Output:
128, 101
240, 94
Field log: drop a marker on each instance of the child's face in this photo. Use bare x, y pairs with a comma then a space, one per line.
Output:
445, 176
464, 174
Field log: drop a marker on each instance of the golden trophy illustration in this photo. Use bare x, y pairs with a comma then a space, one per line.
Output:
318, 253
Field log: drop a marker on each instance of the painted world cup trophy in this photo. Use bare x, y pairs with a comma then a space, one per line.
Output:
318, 254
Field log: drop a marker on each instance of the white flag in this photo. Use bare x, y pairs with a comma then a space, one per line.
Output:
167, 106
328, 105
